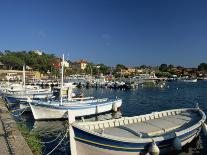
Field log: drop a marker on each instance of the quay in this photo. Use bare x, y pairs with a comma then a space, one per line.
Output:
11, 140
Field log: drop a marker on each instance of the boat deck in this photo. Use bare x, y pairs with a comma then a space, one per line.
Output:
154, 127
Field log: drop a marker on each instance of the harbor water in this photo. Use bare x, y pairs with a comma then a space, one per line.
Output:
135, 102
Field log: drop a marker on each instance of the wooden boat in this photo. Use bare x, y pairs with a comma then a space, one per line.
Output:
158, 132
58, 110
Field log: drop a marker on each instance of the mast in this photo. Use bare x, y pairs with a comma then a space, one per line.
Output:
24, 78
61, 90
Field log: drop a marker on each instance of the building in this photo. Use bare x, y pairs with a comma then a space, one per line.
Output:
58, 62
38, 52
81, 64
128, 71
66, 64
17, 74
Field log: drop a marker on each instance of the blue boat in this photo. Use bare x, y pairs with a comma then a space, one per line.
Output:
18, 96
155, 133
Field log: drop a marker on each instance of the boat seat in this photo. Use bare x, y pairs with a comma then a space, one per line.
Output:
138, 134
143, 128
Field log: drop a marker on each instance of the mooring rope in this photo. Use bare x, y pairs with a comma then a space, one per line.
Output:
20, 113
57, 144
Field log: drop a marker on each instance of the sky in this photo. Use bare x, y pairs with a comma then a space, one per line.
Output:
129, 32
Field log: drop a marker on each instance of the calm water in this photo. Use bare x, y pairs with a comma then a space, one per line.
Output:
135, 102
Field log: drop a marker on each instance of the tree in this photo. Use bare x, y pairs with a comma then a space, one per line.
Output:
12, 61
163, 68
104, 69
202, 67
119, 67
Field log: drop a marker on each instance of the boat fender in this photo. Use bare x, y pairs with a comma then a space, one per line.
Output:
154, 149
204, 128
177, 144
114, 107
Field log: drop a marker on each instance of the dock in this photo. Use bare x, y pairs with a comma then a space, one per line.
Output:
11, 140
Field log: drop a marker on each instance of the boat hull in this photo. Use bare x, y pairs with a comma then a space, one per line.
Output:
43, 112
16, 98
113, 147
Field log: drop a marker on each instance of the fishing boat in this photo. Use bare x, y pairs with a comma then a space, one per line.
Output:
154, 133
190, 80
15, 97
42, 110
57, 110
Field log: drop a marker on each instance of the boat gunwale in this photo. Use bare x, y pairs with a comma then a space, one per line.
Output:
80, 125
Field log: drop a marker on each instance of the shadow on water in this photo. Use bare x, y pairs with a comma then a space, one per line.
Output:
135, 102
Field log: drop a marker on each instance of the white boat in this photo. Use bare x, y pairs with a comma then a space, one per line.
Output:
58, 110
190, 80
53, 110
158, 132
14, 97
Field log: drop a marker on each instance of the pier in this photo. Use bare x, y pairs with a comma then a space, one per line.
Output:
11, 140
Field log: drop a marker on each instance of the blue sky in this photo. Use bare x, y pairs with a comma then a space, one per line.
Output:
130, 32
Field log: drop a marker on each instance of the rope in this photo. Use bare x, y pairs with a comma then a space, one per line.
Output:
45, 142
20, 113
57, 144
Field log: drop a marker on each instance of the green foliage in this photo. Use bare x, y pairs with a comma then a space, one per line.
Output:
104, 69
31, 138
15, 60
11, 61
95, 69
163, 74
202, 67
119, 67
163, 67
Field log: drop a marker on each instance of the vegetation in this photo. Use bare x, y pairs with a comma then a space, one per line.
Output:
15, 60
202, 67
31, 138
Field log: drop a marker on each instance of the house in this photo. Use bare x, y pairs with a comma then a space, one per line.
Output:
128, 71
58, 62
81, 64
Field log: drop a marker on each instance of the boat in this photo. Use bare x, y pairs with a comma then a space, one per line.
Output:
57, 110
154, 133
15, 97
190, 80
43, 110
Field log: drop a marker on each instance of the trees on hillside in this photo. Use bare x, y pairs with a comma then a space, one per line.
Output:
15, 60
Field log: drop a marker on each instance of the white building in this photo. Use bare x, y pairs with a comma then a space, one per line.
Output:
38, 52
